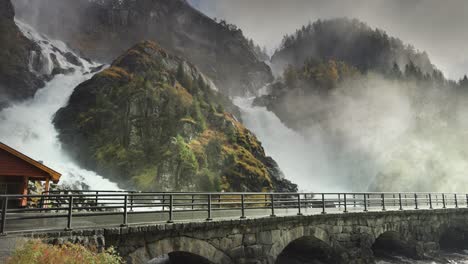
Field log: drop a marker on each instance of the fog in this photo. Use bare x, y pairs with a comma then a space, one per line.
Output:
438, 27
372, 134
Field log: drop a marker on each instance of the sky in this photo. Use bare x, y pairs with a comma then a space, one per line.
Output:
439, 27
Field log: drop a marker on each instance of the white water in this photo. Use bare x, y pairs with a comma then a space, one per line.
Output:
304, 161
27, 126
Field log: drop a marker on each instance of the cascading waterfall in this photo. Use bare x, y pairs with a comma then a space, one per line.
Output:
27, 126
303, 160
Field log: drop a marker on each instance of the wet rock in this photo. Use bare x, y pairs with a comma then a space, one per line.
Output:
17, 82
71, 58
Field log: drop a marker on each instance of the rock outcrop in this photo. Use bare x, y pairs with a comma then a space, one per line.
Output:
153, 121
17, 82
102, 30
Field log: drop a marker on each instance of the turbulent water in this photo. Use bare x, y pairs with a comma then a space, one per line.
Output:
303, 160
27, 126
448, 258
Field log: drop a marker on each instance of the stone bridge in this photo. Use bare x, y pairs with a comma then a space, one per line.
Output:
329, 238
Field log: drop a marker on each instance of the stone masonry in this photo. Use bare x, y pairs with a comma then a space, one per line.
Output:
261, 240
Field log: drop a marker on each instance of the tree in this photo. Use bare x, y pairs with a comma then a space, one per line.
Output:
464, 82
395, 73
290, 76
185, 164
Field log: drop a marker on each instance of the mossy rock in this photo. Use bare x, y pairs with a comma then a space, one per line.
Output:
153, 122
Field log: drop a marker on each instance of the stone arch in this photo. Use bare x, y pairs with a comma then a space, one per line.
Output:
286, 237
453, 238
179, 244
391, 243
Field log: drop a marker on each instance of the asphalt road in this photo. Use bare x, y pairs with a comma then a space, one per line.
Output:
80, 221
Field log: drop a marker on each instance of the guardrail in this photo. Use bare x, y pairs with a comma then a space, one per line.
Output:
59, 210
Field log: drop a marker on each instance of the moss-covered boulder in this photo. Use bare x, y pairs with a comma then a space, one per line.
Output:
17, 82
153, 121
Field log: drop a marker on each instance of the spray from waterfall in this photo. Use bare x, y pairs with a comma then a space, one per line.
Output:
27, 126
303, 160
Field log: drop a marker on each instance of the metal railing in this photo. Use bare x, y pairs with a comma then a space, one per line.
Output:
58, 210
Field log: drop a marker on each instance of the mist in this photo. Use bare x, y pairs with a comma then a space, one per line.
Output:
438, 27
374, 134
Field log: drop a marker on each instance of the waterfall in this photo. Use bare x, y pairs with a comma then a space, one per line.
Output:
27, 126
304, 160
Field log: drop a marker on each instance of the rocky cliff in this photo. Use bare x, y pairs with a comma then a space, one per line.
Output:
153, 121
102, 30
17, 82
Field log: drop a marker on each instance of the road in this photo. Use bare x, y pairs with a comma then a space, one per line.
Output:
83, 221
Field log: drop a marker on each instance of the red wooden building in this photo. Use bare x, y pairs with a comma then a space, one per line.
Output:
17, 169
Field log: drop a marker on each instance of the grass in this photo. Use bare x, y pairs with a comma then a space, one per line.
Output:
37, 252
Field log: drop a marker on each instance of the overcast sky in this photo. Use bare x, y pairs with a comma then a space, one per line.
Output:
439, 27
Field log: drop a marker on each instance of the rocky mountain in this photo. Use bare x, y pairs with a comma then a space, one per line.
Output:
350, 41
327, 54
153, 121
17, 82
103, 29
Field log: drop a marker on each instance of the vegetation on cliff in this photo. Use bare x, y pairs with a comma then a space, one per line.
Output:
326, 54
154, 122
350, 41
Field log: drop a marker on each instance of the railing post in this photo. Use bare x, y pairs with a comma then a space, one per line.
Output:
243, 206
125, 216
365, 202
193, 201
399, 200
406, 200
383, 202
416, 201
443, 201
131, 201
4, 213
466, 200
70, 210
209, 208
299, 204
339, 200
42, 201
96, 201
323, 204
456, 201
354, 200
430, 201
345, 203
272, 197
171, 209
394, 203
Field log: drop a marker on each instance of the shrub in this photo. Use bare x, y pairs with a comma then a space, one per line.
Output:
37, 252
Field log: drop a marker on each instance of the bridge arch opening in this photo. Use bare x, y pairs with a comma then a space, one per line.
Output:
181, 249
454, 239
307, 249
180, 257
390, 245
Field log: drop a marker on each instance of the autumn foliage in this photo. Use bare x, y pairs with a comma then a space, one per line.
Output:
37, 252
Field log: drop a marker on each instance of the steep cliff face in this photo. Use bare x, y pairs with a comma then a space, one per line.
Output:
153, 121
17, 82
103, 30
